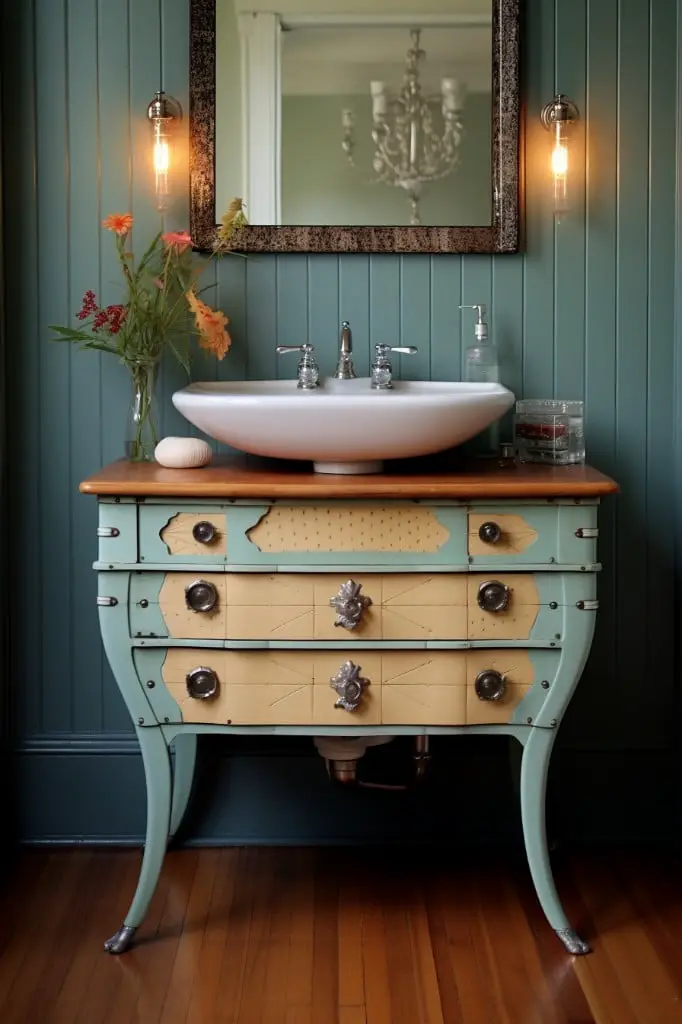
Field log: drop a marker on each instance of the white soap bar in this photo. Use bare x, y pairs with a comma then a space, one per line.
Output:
182, 452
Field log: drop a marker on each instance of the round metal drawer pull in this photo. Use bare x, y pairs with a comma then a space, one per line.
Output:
349, 685
490, 685
201, 596
493, 596
490, 533
349, 604
202, 683
204, 532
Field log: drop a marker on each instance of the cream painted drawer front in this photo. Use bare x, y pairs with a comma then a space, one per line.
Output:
294, 688
404, 606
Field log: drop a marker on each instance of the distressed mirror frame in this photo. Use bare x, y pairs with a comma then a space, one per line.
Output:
500, 236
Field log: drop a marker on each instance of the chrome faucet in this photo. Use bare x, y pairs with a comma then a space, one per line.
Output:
307, 370
344, 368
382, 369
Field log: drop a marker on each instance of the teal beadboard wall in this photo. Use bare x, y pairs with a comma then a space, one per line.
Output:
587, 310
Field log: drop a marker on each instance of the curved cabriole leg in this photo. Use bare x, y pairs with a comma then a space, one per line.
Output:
534, 769
157, 770
185, 747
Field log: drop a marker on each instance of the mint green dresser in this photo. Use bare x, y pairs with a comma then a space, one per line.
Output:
237, 599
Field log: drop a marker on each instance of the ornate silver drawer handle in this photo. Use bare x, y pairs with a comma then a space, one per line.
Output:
349, 605
202, 683
201, 596
493, 596
490, 685
349, 685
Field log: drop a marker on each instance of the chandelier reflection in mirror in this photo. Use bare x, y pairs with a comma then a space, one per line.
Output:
409, 151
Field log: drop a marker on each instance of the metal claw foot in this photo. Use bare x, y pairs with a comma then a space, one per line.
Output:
119, 942
573, 943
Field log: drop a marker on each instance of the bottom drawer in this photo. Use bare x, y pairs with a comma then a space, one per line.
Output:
347, 688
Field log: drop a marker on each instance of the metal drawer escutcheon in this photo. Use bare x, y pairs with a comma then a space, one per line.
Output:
493, 596
349, 685
490, 533
202, 683
201, 596
204, 532
490, 685
349, 604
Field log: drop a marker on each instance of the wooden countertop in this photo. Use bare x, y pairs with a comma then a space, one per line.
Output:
248, 477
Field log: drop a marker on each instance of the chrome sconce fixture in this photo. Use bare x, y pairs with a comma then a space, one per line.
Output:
164, 114
557, 117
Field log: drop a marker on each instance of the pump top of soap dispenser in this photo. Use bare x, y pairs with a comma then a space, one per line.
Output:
480, 327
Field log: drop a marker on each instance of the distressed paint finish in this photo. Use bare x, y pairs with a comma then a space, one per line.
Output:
563, 313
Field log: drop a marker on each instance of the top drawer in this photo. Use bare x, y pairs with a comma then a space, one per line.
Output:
368, 534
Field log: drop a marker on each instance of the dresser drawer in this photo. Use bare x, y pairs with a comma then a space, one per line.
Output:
532, 535
283, 607
183, 533
365, 535
220, 687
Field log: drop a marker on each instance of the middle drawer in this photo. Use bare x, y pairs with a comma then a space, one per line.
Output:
367, 606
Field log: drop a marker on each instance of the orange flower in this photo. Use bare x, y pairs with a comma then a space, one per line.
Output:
121, 223
211, 325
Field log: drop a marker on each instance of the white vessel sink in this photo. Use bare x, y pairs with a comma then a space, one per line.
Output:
343, 426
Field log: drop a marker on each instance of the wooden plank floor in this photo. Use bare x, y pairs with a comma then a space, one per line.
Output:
282, 936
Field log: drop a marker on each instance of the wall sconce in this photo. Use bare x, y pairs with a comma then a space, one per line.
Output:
164, 114
557, 117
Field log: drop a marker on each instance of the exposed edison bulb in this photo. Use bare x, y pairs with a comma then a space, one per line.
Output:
163, 113
559, 165
162, 163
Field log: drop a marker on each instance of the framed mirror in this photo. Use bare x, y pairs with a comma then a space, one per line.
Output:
356, 125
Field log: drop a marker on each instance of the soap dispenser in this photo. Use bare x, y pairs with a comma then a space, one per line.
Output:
481, 365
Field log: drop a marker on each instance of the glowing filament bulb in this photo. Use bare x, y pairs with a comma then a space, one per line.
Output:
560, 159
559, 164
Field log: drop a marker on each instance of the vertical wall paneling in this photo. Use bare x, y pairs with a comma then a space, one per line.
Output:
570, 35
538, 328
261, 318
631, 353
446, 333
324, 312
591, 712
51, 54
661, 517
85, 412
292, 311
415, 318
23, 352
590, 309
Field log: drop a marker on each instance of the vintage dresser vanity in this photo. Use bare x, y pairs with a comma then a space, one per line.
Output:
241, 599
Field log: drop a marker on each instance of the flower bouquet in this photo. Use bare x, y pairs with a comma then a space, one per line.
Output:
162, 310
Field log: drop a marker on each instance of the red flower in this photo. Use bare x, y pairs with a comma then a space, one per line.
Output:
100, 319
88, 306
115, 315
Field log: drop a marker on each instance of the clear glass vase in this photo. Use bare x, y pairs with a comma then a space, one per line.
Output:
141, 436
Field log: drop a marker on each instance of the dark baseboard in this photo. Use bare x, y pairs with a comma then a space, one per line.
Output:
86, 789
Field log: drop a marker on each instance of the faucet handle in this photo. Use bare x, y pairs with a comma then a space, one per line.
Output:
308, 370
382, 370
282, 350
405, 350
